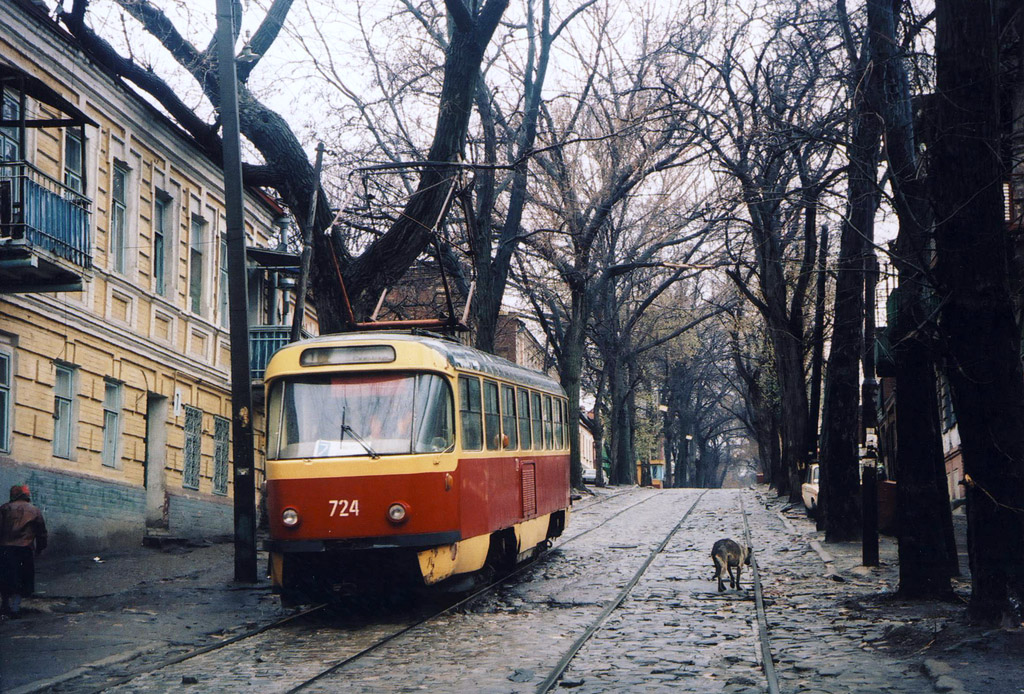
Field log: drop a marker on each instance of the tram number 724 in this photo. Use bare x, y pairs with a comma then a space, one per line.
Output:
344, 507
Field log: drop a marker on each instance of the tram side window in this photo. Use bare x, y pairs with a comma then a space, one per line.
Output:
559, 423
525, 441
492, 416
508, 415
548, 423
538, 421
471, 411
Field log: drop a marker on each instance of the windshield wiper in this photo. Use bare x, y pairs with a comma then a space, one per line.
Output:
359, 439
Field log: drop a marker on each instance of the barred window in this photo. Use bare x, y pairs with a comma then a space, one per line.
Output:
221, 441
193, 447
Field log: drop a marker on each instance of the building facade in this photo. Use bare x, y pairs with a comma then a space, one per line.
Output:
114, 350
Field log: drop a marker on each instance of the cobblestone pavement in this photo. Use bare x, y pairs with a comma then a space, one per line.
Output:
674, 631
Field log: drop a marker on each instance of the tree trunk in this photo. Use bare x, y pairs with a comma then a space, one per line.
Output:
840, 478
927, 549
984, 368
818, 344
570, 370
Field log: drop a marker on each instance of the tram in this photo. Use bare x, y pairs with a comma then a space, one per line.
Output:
397, 457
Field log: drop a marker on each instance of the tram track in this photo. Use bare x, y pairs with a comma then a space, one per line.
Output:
766, 658
395, 631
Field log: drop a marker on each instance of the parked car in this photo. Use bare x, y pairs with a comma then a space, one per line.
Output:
590, 475
809, 490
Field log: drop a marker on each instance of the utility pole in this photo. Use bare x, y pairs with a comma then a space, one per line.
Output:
241, 386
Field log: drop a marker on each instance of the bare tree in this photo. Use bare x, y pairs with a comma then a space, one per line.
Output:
286, 166
767, 117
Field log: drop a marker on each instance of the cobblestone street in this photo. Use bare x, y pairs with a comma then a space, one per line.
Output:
673, 630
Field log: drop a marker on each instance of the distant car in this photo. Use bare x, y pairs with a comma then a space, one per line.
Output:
590, 475
809, 490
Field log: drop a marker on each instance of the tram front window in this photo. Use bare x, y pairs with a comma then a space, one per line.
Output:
372, 415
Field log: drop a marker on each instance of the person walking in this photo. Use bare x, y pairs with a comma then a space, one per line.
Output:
22, 529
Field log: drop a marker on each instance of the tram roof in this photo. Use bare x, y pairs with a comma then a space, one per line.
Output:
458, 355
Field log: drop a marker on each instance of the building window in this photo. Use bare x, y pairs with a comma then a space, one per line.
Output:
195, 264
64, 392
946, 404
221, 441
193, 447
10, 144
161, 210
222, 299
118, 219
111, 422
73, 160
470, 409
5, 401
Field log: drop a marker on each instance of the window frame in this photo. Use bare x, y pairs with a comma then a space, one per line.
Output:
192, 457
509, 421
197, 232
113, 397
525, 425
64, 417
221, 454
492, 420
223, 283
74, 141
549, 423
117, 246
537, 420
6, 399
468, 415
161, 213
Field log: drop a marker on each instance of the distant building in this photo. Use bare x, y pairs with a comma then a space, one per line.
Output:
114, 351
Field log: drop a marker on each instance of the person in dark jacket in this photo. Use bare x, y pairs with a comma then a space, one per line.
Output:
21, 530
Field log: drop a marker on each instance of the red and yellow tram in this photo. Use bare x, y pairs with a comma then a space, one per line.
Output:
397, 456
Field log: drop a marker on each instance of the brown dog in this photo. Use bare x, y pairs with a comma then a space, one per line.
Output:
727, 554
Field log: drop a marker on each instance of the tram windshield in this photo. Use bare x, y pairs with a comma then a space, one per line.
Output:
338, 415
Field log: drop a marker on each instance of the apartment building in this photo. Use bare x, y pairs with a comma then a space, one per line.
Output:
114, 350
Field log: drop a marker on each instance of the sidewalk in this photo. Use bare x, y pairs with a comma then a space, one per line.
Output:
933, 637
96, 611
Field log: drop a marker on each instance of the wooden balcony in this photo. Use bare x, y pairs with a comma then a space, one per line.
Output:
45, 243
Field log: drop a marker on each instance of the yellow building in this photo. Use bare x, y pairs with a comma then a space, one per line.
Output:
114, 351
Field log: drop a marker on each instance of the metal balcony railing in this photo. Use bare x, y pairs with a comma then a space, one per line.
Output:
44, 213
264, 340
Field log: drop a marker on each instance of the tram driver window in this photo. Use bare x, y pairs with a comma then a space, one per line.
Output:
470, 410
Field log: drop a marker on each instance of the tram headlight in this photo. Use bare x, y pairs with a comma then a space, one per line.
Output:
397, 512
290, 517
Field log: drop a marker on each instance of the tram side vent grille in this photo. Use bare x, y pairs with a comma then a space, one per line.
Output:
529, 490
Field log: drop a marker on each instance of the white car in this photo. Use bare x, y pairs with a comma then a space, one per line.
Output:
809, 490
590, 475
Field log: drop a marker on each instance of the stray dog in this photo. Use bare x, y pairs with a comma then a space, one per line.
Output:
727, 554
